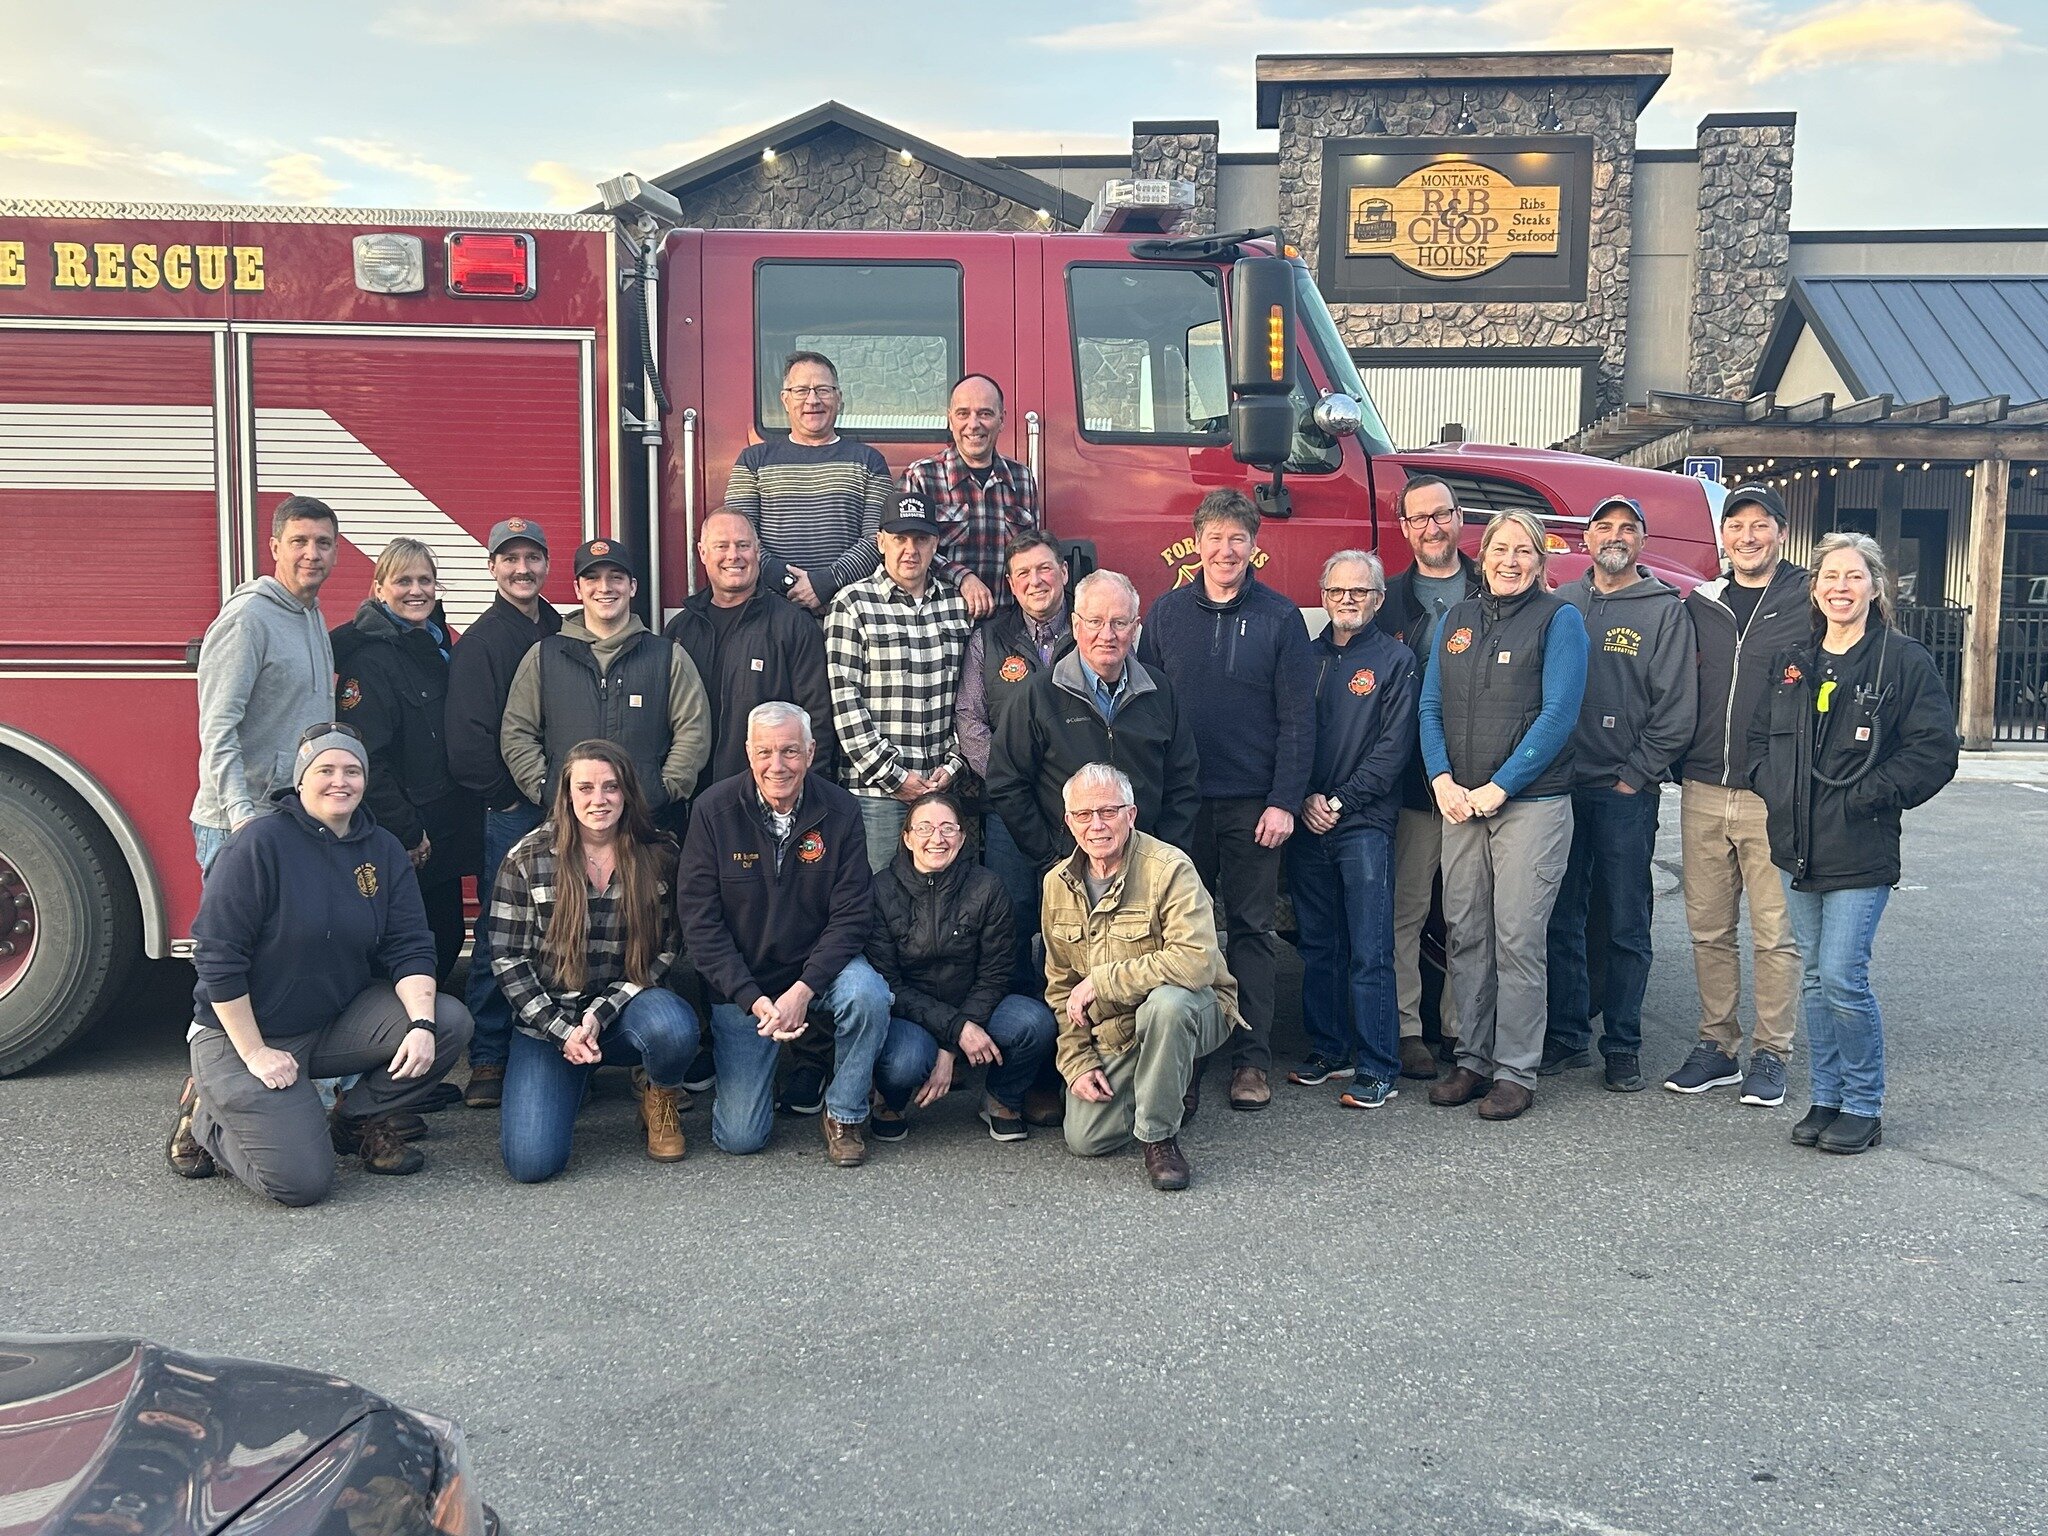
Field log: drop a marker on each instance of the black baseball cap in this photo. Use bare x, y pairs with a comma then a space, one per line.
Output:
513, 528
1763, 496
589, 556
909, 512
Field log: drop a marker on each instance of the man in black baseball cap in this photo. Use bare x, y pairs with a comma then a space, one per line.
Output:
599, 552
909, 512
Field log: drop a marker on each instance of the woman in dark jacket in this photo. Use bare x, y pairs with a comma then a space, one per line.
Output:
942, 940
1856, 728
391, 663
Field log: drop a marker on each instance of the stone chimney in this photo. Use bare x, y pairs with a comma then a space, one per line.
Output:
1180, 150
1742, 266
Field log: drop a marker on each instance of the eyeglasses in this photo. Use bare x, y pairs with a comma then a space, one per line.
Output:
1095, 813
1350, 594
936, 832
1441, 519
1097, 626
811, 391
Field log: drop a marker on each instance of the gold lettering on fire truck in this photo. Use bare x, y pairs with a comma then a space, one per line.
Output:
139, 267
1188, 565
13, 263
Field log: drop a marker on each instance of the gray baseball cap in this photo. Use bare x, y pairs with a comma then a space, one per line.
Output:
503, 533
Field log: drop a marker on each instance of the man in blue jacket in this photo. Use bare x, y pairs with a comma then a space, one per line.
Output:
1238, 656
1340, 862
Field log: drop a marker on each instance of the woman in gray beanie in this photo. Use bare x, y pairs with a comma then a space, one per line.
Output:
302, 916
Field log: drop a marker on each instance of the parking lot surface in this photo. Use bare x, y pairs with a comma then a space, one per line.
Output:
1620, 1314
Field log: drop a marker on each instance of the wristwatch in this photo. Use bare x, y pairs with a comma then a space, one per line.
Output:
1336, 805
426, 1024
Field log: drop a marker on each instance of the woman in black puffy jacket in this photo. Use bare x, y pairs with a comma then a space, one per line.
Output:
391, 670
1855, 729
943, 941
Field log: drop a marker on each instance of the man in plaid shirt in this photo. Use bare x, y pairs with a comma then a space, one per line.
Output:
982, 499
893, 646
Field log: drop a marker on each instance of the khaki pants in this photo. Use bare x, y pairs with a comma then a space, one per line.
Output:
1418, 854
1175, 1028
1727, 856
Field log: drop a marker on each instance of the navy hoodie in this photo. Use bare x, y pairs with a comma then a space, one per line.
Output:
300, 921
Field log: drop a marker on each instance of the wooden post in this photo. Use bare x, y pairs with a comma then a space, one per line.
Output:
1979, 703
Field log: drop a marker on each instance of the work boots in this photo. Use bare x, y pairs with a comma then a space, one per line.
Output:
661, 1118
377, 1142
846, 1146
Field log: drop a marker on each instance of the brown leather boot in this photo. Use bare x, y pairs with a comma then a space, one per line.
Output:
187, 1158
1418, 1060
661, 1118
486, 1088
846, 1146
1461, 1086
1505, 1100
377, 1142
1166, 1165
1249, 1089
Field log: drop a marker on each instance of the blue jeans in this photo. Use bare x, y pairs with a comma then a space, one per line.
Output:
1020, 876
543, 1090
1844, 1029
744, 1109
1614, 836
1022, 1029
207, 843
882, 820
487, 1004
1343, 889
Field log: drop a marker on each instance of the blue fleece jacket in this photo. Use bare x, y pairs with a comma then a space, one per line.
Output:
299, 921
1564, 686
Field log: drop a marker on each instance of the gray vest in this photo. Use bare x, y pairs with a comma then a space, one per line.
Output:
628, 706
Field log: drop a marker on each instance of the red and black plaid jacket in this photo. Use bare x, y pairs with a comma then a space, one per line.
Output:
975, 523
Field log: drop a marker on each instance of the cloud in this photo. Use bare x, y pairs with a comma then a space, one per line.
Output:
473, 21
1183, 26
1936, 31
299, 178
566, 186
451, 188
40, 157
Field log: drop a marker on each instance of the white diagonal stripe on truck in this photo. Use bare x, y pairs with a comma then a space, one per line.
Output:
58, 447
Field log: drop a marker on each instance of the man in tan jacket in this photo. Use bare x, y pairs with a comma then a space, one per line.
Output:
1134, 975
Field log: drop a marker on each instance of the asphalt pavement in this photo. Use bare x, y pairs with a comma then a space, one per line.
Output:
1618, 1315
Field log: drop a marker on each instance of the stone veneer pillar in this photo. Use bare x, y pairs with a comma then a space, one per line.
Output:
1742, 265
1180, 150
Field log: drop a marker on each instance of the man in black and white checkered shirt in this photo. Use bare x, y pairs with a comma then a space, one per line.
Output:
893, 646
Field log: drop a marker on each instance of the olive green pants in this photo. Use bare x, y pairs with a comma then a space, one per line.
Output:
1176, 1028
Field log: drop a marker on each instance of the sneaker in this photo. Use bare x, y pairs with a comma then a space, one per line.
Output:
886, 1124
1002, 1125
1764, 1082
803, 1093
1320, 1069
1368, 1093
1623, 1073
187, 1158
1556, 1061
702, 1075
1707, 1067
1418, 1060
486, 1089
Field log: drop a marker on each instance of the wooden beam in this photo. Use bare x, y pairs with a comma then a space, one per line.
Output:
1972, 412
1819, 408
1832, 440
1660, 452
1875, 408
1979, 704
1932, 409
1697, 407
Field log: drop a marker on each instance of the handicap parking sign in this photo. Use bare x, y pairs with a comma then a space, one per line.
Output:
1707, 468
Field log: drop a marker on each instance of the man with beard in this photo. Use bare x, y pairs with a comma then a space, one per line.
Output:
1642, 694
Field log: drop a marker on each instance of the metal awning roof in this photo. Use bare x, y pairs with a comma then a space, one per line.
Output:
1914, 338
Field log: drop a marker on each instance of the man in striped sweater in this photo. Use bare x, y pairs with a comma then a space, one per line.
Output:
816, 498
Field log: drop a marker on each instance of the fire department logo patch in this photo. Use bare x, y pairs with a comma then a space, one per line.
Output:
366, 880
1363, 682
599, 547
811, 848
1792, 675
1015, 669
515, 524
1460, 642
351, 694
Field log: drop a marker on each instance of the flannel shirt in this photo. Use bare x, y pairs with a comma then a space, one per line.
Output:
523, 902
975, 524
894, 664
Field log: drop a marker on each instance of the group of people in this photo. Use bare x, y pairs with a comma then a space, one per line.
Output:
888, 801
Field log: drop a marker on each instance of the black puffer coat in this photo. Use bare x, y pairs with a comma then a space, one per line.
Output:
944, 944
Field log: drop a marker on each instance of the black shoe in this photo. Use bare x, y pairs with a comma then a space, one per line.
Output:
803, 1093
1003, 1125
439, 1097
1849, 1134
703, 1075
1817, 1119
1555, 1061
886, 1124
1623, 1073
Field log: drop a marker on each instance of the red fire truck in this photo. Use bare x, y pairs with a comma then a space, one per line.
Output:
169, 374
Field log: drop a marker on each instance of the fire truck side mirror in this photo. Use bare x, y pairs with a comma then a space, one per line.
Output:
1262, 430
1262, 326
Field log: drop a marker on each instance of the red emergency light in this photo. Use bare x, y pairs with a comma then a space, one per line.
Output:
490, 265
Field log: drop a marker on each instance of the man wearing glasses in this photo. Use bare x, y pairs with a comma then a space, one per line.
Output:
1134, 977
1440, 576
1340, 862
815, 497
1095, 704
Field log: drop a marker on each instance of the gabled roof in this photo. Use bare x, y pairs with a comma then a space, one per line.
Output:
1005, 181
1915, 338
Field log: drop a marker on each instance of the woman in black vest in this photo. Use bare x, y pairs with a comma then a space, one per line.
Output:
391, 666
1857, 727
1500, 698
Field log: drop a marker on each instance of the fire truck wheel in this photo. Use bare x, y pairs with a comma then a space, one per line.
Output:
68, 924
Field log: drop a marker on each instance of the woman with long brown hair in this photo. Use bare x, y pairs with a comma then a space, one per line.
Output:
583, 933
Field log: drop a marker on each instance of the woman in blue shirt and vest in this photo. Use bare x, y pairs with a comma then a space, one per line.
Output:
1500, 697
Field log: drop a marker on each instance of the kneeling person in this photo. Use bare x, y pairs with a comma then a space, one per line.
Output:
302, 912
583, 932
944, 942
1134, 975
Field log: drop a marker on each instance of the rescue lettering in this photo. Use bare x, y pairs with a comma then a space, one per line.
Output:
141, 266
13, 263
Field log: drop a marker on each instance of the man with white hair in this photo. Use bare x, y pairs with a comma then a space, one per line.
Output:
1095, 704
1134, 976
775, 900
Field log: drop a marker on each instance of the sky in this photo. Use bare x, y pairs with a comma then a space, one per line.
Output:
1912, 113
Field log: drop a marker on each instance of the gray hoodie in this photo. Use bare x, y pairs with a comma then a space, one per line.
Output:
1642, 684
266, 672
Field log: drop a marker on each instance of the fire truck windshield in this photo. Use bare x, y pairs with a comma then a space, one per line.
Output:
1338, 368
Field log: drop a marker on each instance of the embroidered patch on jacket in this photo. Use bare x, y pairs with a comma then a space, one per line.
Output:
1622, 641
351, 694
1015, 669
811, 848
1459, 642
366, 880
1792, 675
1363, 682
